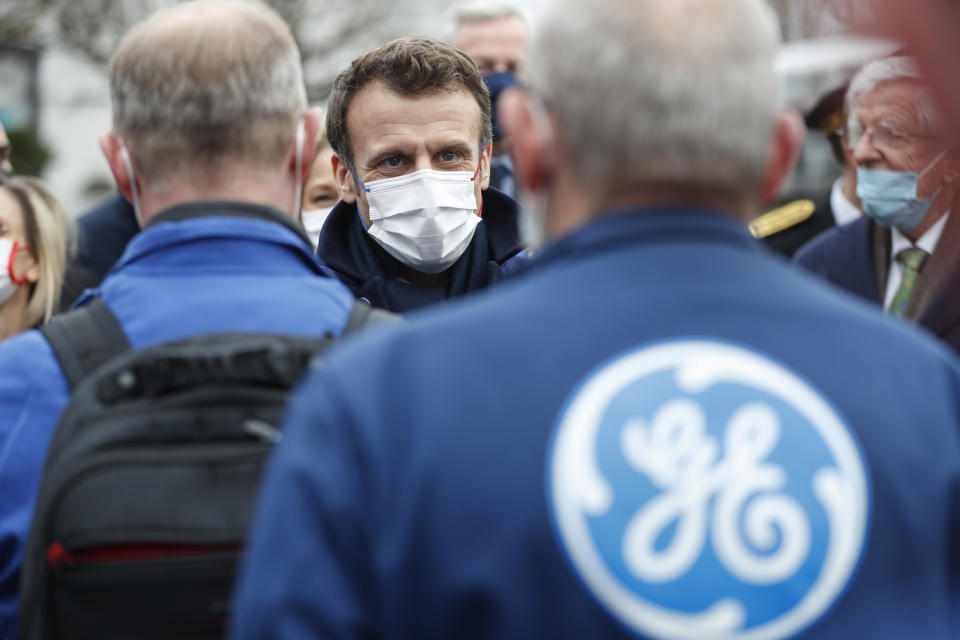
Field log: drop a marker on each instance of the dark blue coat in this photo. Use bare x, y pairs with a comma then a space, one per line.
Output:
102, 235
196, 269
371, 273
660, 425
847, 257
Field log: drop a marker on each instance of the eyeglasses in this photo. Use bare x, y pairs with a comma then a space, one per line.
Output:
882, 137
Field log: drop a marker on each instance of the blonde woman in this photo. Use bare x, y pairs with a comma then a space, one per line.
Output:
35, 234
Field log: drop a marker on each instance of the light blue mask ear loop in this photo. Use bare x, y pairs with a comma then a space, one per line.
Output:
364, 187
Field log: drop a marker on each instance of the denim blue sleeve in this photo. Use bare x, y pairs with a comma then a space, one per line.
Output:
33, 392
304, 575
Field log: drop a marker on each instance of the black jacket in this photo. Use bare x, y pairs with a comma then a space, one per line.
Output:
371, 273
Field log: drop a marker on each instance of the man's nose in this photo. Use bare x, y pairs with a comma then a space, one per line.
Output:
422, 162
864, 152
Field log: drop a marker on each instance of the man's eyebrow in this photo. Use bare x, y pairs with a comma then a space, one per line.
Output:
456, 145
388, 152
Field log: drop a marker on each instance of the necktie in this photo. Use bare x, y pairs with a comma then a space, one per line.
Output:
912, 260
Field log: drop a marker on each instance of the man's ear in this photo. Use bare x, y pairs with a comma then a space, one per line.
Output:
113, 152
484, 175
344, 179
311, 125
789, 134
530, 144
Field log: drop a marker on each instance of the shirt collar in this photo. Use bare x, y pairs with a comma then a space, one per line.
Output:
927, 242
844, 211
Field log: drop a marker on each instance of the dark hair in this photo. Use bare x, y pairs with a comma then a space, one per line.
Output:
411, 65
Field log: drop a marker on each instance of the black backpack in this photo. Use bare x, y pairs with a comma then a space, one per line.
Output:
151, 477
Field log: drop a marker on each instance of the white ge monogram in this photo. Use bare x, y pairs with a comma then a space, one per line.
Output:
681, 459
702, 490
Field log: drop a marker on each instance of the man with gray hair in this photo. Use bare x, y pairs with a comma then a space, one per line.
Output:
211, 141
495, 35
904, 251
691, 440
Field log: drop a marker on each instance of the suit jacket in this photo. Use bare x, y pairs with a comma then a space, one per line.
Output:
856, 257
102, 235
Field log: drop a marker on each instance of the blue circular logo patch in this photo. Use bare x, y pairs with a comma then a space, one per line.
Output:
702, 490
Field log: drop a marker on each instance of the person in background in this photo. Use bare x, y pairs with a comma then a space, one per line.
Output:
103, 234
320, 192
6, 149
35, 241
907, 247
213, 162
496, 35
730, 449
786, 233
409, 123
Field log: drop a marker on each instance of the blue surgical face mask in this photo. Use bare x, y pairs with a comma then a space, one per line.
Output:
496, 83
890, 197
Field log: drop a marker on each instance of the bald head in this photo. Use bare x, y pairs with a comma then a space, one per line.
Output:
207, 82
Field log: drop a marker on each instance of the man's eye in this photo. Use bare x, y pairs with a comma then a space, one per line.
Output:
393, 162
449, 156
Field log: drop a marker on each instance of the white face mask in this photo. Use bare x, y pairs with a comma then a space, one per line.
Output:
9, 283
313, 220
424, 219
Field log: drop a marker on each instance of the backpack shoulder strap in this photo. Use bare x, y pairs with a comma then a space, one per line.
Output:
364, 315
84, 339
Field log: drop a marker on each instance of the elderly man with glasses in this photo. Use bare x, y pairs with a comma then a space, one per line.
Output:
902, 254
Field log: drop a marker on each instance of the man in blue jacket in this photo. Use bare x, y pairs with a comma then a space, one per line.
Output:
212, 161
409, 123
658, 431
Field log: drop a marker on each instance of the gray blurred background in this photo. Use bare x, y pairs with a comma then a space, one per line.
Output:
54, 99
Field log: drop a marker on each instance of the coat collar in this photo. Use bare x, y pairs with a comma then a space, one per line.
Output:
371, 273
629, 227
203, 221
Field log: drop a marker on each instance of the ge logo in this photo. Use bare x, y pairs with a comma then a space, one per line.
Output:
701, 490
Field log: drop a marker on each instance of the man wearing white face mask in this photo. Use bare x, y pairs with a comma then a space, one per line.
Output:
409, 123
904, 251
211, 141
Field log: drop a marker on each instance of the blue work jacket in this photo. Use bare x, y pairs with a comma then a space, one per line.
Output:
660, 429
197, 268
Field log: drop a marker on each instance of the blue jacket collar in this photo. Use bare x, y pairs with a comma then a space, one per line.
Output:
200, 221
629, 227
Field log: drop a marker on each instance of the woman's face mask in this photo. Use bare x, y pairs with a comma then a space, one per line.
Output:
9, 280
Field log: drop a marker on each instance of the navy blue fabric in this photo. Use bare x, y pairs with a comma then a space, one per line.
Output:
408, 499
844, 256
374, 275
102, 235
496, 83
244, 269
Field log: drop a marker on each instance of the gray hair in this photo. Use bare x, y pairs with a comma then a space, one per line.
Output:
894, 69
204, 81
660, 92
